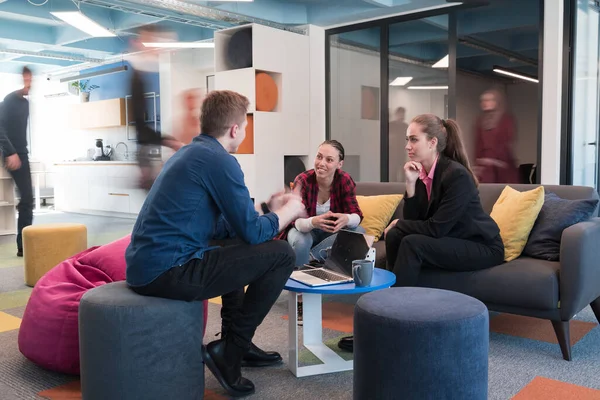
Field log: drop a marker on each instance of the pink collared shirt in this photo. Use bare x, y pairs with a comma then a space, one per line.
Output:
427, 178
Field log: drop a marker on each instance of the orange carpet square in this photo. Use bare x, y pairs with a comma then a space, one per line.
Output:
337, 317
72, 391
9, 322
69, 391
541, 388
536, 329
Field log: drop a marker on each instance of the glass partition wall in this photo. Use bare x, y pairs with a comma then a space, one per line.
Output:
585, 86
418, 81
381, 74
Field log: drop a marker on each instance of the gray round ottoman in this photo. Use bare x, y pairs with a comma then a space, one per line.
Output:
419, 343
138, 347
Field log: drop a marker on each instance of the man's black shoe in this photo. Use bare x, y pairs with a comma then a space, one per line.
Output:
223, 358
256, 357
19, 252
347, 343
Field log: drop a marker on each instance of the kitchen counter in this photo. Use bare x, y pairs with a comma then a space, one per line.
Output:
118, 162
84, 187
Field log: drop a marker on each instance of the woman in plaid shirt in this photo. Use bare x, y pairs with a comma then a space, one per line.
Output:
328, 194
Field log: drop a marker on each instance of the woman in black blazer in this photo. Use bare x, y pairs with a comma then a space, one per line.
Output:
444, 225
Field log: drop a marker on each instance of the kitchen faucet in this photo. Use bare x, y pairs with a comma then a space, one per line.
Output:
126, 149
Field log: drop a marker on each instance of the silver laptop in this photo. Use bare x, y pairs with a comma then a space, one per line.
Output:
337, 268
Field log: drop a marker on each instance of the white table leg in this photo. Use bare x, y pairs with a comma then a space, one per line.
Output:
312, 338
293, 332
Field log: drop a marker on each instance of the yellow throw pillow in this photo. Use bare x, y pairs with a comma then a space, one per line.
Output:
377, 212
515, 213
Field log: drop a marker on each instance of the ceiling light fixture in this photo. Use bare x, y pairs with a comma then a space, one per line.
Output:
401, 81
518, 75
83, 23
428, 87
180, 45
443, 63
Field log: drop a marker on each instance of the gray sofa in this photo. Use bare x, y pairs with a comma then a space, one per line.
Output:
526, 286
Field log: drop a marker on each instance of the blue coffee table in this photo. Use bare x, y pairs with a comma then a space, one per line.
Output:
313, 322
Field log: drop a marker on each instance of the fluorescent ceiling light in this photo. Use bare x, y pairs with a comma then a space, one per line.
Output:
83, 23
443, 63
502, 71
401, 81
428, 87
181, 45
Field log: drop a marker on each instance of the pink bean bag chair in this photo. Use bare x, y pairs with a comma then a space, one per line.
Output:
49, 330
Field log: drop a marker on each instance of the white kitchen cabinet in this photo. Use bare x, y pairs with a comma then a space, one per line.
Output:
99, 188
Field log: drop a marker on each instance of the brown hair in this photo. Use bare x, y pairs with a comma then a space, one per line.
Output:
448, 135
336, 145
222, 109
26, 71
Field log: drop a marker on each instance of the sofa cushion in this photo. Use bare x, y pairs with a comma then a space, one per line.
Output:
515, 213
525, 282
556, 215
377, 212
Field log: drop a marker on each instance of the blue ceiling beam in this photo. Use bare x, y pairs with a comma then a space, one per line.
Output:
439, 21
366, 37
500, 18
431, 52
26, 32
46, 61
339, 15
272, 10
123, 21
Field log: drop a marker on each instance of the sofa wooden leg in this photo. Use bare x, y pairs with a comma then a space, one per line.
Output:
596, 308
561, 328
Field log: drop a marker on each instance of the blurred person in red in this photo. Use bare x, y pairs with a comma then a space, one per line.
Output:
190, 127
495, 131
149, 140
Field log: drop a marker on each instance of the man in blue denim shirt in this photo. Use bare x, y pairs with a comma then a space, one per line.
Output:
200, 196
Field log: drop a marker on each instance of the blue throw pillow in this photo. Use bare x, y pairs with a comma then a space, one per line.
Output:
556, 215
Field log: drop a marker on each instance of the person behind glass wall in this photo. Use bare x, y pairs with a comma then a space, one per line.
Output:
149, 140
398, 127
444, 224
494, 134
14, 116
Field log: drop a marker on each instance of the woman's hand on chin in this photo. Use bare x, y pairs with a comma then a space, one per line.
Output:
412, 169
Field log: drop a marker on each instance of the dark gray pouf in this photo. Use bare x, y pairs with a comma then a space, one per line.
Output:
420, 343
138, 347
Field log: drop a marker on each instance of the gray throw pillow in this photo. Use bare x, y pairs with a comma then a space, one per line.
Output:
556, 215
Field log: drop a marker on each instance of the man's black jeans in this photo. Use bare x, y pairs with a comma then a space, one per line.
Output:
265, 268
22, 178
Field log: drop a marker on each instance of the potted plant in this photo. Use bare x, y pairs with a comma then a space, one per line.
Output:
84, 88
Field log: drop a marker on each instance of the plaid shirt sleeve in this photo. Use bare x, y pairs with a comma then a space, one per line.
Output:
346, 195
